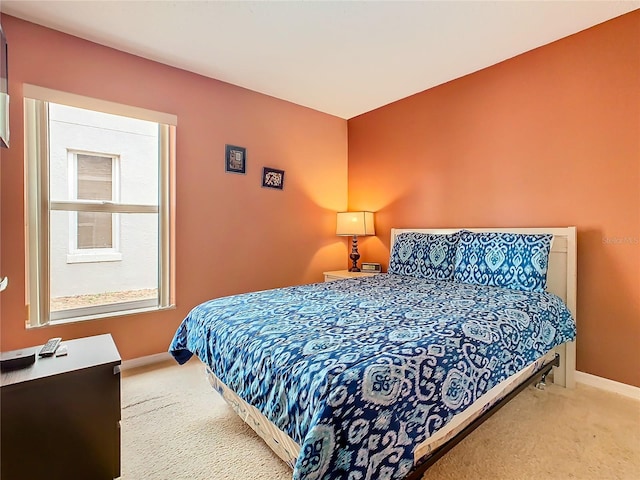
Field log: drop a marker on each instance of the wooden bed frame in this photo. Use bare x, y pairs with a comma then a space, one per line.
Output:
561, 281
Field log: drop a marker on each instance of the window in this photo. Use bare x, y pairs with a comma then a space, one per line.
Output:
99, 207
93, 236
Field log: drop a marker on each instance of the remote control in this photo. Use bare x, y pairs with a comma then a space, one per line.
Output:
50, 347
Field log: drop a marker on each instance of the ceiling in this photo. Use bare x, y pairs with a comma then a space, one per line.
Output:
340, 57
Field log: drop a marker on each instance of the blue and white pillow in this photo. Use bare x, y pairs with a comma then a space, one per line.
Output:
509, 260
424, 255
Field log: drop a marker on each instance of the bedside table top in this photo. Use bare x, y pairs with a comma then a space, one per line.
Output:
83, 353
348, 274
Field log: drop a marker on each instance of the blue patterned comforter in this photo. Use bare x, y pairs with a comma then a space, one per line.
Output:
359, 371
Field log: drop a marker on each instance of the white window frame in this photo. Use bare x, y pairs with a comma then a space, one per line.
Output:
38, 206
86, 255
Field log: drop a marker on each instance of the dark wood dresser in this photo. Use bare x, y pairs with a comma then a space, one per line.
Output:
60, 417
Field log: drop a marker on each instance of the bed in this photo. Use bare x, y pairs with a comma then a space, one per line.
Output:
376, 377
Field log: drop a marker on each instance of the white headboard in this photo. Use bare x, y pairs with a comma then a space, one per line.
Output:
561, 276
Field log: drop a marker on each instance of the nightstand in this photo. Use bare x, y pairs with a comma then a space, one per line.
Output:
342, 274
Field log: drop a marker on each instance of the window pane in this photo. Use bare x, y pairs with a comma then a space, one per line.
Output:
95, 177
94, 279
134, 143
95, 230
100, 259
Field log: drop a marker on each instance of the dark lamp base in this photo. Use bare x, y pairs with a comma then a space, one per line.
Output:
354, 255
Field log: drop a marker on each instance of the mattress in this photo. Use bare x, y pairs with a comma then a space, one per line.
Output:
361, 373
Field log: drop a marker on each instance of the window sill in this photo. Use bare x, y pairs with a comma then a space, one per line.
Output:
101, 316
94, 257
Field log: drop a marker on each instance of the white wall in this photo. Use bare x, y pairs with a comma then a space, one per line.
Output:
135, 142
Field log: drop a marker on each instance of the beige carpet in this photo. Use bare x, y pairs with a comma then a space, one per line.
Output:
174, 426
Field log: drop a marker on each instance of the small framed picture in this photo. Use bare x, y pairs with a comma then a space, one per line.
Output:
272, 178
235, 159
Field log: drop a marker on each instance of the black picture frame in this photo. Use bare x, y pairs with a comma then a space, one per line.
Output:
272, 178
235, 159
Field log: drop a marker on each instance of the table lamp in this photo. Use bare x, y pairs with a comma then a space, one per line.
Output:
354, 224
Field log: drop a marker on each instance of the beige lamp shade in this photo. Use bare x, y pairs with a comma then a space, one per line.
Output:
355, 223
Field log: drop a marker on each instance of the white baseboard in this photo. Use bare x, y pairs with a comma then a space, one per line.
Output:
144, 361
609, 385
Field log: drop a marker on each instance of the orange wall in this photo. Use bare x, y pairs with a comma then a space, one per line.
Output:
548, 138
232, 235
